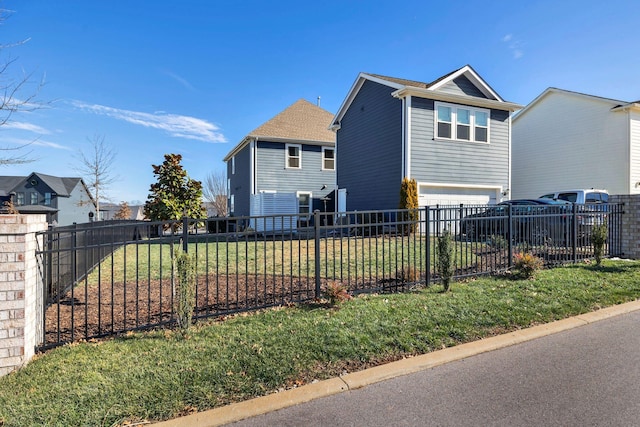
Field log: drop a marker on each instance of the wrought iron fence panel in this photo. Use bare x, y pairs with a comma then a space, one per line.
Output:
108, 278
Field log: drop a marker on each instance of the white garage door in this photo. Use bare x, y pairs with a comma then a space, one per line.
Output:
446, 196
451, 196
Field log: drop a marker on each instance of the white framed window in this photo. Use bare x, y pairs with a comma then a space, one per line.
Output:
47, 199
294, 156
33, 198
233, 165
232, 203
328, 158
304, 202
461, 123
19, 199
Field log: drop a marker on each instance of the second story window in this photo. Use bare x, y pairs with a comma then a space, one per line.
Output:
233, 165
47, 199
19, 199
294, 158
328, 159
33, 198
461, 123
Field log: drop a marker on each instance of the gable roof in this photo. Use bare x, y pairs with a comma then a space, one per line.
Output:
405, 87
616, 104
302, 121
61, 186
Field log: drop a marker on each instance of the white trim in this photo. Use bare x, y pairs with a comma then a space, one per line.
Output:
457, 99
310, 194
253, 164
469, 73
496, 188
508, 189
454, 122
353, 92
407, 139
615, 107
287, 157
233, 165
334, 158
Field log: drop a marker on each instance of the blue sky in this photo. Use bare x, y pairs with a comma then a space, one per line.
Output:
194, 77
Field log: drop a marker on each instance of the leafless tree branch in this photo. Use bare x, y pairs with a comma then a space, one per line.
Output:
214, 191
96, 168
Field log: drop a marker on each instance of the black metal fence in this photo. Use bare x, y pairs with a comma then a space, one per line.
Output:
107, 278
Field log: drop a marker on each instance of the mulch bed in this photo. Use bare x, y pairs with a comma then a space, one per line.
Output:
95, 311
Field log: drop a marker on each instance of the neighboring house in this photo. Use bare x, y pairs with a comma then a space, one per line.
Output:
63, 200
452, 135
109, 210
293, 153
565, 140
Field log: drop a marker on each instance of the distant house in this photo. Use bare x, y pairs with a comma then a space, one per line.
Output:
108, 211
564, 140
291, 154
453, 135
63, 200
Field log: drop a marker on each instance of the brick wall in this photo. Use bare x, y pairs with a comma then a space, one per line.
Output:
630, 225
20, 290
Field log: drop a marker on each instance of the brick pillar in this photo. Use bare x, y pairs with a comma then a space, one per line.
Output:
629, 224
21, 292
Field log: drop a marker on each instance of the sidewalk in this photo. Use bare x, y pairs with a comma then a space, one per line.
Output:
352, 381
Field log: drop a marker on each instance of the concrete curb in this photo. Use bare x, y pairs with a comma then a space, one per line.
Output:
261, 405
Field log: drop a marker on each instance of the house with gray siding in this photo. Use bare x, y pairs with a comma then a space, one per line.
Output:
452, 135
292, 153
63, 200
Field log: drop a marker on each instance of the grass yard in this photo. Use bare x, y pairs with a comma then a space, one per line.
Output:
163, 374
373, 257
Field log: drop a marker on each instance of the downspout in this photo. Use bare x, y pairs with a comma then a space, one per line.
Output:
509, 161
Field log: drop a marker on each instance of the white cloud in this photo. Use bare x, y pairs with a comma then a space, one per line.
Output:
175, 125
26, 126
514, 45
23, 142
179, 79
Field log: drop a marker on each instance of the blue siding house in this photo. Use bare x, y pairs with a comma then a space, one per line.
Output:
452, 135
292, 153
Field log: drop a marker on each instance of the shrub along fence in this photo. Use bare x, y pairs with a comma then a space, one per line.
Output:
105, 279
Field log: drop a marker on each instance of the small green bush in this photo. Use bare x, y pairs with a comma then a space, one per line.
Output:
527, 264
498, 242
599, 238
409, 200
445, 261
185, 289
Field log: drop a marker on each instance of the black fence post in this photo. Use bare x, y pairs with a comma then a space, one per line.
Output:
510, 236
427, 226
316, 237
185, 234
574, 233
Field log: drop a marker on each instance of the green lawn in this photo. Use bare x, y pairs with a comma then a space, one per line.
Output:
369, 257
161, 374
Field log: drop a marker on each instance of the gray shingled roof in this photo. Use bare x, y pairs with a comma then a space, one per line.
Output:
61, 186
413, 83
301, 121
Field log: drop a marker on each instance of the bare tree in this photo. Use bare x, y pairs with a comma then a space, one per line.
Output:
214, 191
13, 99
96, 168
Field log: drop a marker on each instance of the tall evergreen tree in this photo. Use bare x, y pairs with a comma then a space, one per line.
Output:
175, 194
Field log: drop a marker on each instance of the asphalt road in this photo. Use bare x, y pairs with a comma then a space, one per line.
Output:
587, 376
